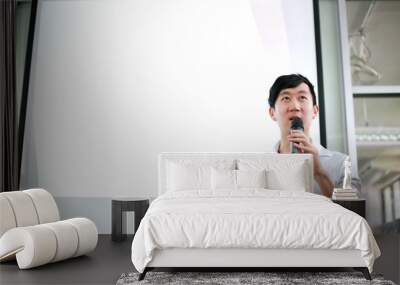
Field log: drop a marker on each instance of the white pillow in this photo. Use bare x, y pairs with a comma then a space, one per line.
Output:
188, 177
236, 179
283, 173
293, 181
223, 179
251, 178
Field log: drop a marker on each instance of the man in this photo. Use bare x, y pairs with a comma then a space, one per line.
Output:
293, 96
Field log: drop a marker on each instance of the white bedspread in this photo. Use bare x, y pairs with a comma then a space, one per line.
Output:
250, 218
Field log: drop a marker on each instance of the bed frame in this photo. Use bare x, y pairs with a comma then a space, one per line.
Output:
242, 259
246, 259
234, 259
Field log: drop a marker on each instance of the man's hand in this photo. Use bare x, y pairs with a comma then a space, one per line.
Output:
303, 144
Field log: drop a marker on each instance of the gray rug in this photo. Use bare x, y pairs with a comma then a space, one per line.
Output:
228, 278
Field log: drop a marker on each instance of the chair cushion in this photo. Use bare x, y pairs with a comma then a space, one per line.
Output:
87, 233
7, 216
46, 207
67, 239
23, 208
33, 246
27, 208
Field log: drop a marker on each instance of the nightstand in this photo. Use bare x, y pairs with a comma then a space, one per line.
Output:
124, 204
357, 205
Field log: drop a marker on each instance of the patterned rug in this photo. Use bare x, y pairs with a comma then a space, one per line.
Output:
228, 278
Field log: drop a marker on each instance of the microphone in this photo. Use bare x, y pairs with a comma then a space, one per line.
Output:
297, 124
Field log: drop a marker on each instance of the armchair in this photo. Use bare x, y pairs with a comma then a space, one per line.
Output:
31, 231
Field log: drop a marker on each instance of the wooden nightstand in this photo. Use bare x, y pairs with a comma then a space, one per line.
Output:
357, 206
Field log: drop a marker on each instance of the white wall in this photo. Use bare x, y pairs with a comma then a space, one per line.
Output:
114, 83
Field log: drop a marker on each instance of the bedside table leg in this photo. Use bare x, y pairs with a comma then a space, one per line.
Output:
116, 220
139, 214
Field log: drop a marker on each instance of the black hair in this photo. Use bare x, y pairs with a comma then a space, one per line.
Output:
288, 81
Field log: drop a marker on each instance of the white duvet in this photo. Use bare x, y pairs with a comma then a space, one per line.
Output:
250, 218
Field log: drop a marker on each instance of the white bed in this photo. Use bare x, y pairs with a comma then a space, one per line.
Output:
229, 218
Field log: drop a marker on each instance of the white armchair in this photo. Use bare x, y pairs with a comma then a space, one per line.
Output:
31, 230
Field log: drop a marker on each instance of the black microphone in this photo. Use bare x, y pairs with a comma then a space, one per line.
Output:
297, 124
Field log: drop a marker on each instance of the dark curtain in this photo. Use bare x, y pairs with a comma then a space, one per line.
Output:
9, 175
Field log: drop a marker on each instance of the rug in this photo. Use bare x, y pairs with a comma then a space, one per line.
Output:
273, 278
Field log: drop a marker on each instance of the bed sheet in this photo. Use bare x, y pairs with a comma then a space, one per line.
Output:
250, 218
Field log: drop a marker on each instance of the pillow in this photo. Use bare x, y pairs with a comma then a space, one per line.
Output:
283, 172
280, 180
188, 177
192, 173
251, 178
236, 179
223, 179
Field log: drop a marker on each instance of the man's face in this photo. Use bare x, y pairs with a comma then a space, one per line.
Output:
294, 102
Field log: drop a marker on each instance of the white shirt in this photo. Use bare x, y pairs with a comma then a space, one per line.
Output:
333, 164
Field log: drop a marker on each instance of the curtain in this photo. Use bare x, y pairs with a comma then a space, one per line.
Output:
9, 171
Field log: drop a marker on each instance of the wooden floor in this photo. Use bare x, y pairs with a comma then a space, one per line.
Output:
111, 259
